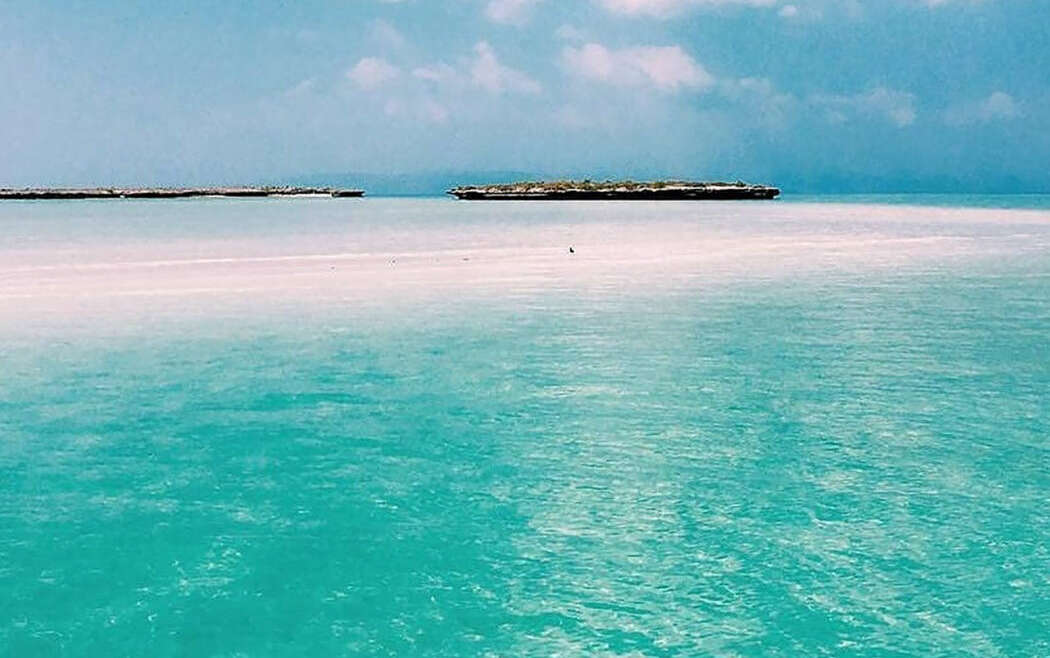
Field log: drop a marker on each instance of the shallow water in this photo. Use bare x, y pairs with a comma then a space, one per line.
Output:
728, 429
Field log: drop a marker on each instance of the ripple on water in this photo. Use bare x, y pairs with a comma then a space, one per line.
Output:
846, 462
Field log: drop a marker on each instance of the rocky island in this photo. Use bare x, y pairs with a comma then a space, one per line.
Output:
542, 190
172, 192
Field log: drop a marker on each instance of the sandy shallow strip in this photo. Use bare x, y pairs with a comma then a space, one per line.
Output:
626, 255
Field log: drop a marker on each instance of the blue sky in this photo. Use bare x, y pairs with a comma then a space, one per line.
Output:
832, 95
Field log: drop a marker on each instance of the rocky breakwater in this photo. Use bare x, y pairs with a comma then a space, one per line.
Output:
172, 192
658, 190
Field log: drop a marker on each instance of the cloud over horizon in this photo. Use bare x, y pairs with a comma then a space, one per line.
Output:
509, 11
488, 73
665, 8
725, 87
895, 106
667, 68
997, 106
370, 72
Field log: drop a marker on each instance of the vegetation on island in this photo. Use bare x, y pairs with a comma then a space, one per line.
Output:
617, 189
598, 186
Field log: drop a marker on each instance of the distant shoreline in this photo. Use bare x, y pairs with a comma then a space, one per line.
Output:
48, 193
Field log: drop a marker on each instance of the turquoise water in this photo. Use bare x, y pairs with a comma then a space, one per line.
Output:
841, 454
1003, 201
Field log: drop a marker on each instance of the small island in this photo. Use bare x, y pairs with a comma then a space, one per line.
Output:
172, 192
658, 190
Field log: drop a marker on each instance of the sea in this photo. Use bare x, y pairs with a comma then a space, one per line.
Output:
423, 427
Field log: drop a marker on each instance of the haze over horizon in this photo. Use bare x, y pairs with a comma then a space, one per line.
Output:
897, 95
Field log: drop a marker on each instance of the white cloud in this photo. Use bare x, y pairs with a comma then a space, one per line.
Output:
663, 8
667, 68
509, 11
483, 70
304, 87
570, 33
760, 101
439, 72
808, 11
897, 107
487, 72
386, 34
426, 110
371, 72
431, 110
999, 106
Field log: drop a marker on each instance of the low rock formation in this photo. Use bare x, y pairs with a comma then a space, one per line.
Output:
173, 192
615, 190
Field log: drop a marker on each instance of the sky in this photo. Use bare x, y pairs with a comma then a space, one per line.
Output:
819, 95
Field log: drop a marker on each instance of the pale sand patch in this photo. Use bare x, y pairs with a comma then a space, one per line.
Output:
636, 250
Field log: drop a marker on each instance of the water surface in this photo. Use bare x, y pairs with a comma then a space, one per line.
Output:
299, 427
